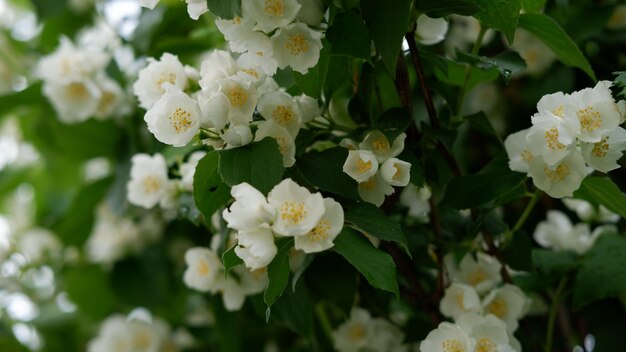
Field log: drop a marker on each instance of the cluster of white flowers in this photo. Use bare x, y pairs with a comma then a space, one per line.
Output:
373, 164
205, 273
276, 33
571, 134
75, 78
137, 332
113, 237
149, 183
558, 233
288, 211
363, 333
231, 91
485, 315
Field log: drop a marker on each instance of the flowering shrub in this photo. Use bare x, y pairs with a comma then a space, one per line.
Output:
349, 175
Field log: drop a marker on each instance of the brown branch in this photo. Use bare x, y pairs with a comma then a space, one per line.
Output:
428, 99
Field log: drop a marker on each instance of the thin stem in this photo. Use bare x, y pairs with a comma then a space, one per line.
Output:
428, 99
468, 71
529, 208
320, 312
556, 301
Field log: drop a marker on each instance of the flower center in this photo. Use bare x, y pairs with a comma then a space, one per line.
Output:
297, 44
497, 307
319, 232
237, 97
368, 185
165, 77
274, 8
559, 111
458, 298
252, 72
380, 145
452, 346
203, 268
601, 149
282, 115
357, 332
293, 212
590, 120
486, 345
141, 341
552, 138
363, 166
180, 120
527, 156
77, 91
151, 184
282, 145
477, 277
398, 172
558, 174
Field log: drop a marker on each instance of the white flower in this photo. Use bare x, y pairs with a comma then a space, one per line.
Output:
355, 333
251, 68
558, 233
148, 3
458, 299
309, 108
149, 87
483, 274
69, 63
311, 12
593, 113
538, 56
139, 332
110, 98
508, 303
36, 244
281, 108
321, 237
488, 333
298, 211
203, 267
560, 180
396, 172
298, 46
270, 14
286, 144
75, 101
447, 337
238, 32
218, 65
215, 110
234, 291
385, 336
377, 142
361, 165
550, 137
196, 8
237, 136
148, 180
518, 151
375, 190
250, 209
242, 98
429, 31
587, 212
603, 155
416, 199
188, 169
256, 247
175, 118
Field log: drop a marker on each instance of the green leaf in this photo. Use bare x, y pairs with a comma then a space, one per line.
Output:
393, 122
507, 63
225, 8
602, 271
260, 164
84, 140
601, 190
518, 252
30, 95
481, 123
388, 22
533, 5
349, 36
230, 260
278, 274
553, 263
88, 287
295, 309
325, 170
475, 190
453, 73
75, 226
372, 221
619, 81
501, 15
49, 8
551, 34
209, 191
313, 82
442, 8
375, 265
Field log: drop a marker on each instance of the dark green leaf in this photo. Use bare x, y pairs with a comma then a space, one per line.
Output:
517, 253
553, 263
313, 82
230, 260
375, 265
601, 190
388, 21
349, 35
501, 15
549, 32
225, 8
88, 287
453, 73
308, 259
602, 271
74, 228
533, 5
619, 83
295, 309
507, 63
481, 123
325, 170
209, 191
393, 122
372, 221
49, 8
442, 8
278, 274
260, 164
30, 95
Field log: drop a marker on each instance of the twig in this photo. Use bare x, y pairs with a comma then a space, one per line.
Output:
556, 302
428, 99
